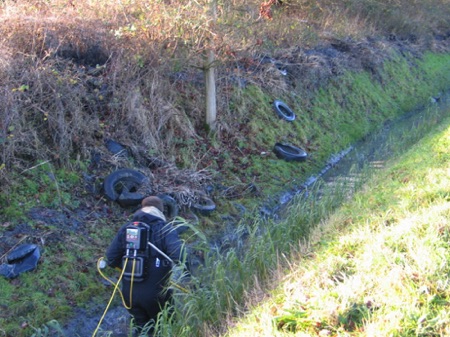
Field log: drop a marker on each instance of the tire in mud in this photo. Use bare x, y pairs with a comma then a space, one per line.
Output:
21, 252
22, 259
204, 206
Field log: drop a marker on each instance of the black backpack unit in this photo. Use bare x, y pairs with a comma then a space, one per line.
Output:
136, 260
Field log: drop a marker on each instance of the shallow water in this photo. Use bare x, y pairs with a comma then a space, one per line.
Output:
394, 138
347, 166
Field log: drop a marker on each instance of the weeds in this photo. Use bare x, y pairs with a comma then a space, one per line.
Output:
76, 74
52, 328
378, 266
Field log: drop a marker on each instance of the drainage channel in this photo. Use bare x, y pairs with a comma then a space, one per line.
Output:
371, 153
347, 165
347, 169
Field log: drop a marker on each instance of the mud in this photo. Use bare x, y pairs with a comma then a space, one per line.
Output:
373, 151
116, 322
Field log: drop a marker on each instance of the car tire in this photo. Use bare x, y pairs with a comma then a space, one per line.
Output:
204, 206
289, 152
26, 263
21, 252
170, 206
122, 180
127, 199
283, 111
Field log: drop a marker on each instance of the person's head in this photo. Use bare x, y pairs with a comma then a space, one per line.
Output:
153, 201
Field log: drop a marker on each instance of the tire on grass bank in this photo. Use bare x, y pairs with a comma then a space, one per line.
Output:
283, 111
123, 181
289, 152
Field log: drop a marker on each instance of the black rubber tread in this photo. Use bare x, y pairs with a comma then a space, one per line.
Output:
289, 152
27, 263
204, 205
170, 206
122, 179
116, 148
127, 199
283, 111
20, 252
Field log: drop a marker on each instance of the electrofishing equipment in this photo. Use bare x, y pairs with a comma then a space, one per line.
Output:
135, 261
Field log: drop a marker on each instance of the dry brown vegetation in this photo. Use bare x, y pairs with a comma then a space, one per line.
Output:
74, 74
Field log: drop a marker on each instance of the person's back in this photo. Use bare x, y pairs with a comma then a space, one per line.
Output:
145, 298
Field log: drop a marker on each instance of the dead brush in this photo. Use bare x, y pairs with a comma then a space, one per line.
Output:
64, 103
185, 185
48, 114
46, 91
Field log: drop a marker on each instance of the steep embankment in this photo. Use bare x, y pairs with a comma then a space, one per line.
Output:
378, 264
71, 84
62, 233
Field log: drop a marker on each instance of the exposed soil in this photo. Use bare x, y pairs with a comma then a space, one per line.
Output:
50, 225
187, 186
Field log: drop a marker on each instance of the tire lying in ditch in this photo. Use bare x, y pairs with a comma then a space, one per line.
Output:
170, 206
204, 206
122, 181
24, 258
283, 111
127, 199
21, 252
289, 152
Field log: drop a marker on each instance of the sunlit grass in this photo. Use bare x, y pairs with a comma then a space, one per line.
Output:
379, 265
373, 265
49, 100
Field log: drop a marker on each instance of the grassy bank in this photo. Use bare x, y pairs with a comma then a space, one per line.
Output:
67, 277
377, 266
75, 75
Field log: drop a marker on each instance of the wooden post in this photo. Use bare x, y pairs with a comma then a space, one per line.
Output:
211, 104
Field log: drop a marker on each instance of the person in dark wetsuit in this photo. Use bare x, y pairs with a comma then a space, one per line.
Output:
148, 296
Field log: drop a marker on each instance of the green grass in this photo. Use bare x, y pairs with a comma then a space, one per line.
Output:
375, 264
41, 185
64, 105
341, 113
378, 265
69, 270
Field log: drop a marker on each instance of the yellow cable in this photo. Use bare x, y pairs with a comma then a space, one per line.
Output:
101, 273
176, 285
112, 296
116, 287
112, 282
